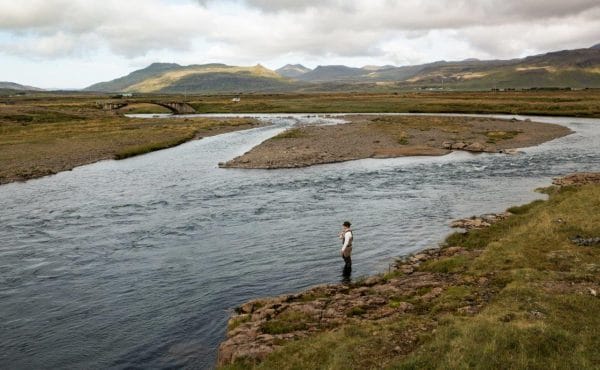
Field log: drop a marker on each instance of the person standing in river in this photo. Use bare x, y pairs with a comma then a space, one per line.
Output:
347, 237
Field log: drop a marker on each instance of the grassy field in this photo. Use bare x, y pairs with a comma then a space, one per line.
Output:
536, 292
582, 103
565, 103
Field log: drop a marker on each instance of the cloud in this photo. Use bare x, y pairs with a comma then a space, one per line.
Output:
408, 31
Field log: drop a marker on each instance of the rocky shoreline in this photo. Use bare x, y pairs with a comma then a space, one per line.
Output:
261, 326
394, 136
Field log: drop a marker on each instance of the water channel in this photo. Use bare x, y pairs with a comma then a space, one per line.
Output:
135, 263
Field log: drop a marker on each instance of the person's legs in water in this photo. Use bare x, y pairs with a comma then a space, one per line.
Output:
347, 274
348, 261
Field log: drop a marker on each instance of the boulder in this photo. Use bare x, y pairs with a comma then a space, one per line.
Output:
373, 280
459, 146
432, 294
475, 147
450, 251
407, 269
509, 151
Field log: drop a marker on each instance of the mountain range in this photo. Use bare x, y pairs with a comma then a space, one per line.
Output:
579, 68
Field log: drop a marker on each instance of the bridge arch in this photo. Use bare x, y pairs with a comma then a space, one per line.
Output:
174, 106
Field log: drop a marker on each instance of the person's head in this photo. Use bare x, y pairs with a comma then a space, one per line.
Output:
346, 224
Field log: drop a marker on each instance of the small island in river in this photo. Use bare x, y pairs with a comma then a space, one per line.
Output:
394, 136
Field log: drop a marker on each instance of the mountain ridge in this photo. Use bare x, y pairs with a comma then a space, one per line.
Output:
577, 68
6, 85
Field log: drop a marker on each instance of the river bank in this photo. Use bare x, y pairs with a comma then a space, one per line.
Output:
394, 136
41, 141
517, 291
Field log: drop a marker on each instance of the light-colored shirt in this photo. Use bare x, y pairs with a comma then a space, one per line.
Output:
347, 239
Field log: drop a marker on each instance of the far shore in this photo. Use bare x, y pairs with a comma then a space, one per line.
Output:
395, 136
38, 150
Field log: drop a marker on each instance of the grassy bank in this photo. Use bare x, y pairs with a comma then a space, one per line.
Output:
520, 295
581, 103
560, 103
45, 137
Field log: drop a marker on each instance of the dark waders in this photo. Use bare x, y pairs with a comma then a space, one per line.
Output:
348, 261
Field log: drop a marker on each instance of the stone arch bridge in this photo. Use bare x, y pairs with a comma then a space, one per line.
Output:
174, 107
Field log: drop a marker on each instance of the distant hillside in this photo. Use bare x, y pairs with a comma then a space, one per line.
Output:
569, 68
578, 68
292, 70
332, 73
122, 83
17, 87
173, 78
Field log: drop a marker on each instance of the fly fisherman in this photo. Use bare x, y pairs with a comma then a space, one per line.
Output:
346, 236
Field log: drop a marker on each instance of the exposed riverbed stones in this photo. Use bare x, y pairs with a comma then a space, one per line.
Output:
581, 178
480, 222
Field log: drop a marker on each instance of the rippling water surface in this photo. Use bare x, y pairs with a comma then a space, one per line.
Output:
135, 263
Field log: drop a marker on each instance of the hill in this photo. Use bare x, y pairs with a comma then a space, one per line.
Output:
173, 78
578, 68
4, 85
332, 73
122, 83
292, 70
569, 68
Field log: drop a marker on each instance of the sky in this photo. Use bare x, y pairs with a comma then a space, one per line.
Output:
75, 43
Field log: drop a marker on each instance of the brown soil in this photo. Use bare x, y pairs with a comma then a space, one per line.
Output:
394, 136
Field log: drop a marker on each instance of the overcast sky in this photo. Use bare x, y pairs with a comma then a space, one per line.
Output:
74, 43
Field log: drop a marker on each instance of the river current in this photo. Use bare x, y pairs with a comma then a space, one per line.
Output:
136, 263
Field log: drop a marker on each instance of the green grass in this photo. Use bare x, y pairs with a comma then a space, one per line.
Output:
520, 210
238, 321
446, 265
287, 322
530, 281
151, 147
39, 116
292, 133
495, 136
356, 311
564, 103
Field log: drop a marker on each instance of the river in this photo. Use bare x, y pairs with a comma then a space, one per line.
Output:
135, 263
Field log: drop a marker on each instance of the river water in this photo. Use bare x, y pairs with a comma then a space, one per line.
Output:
135, 263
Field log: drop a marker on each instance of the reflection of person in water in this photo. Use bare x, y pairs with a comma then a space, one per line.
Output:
346, 236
